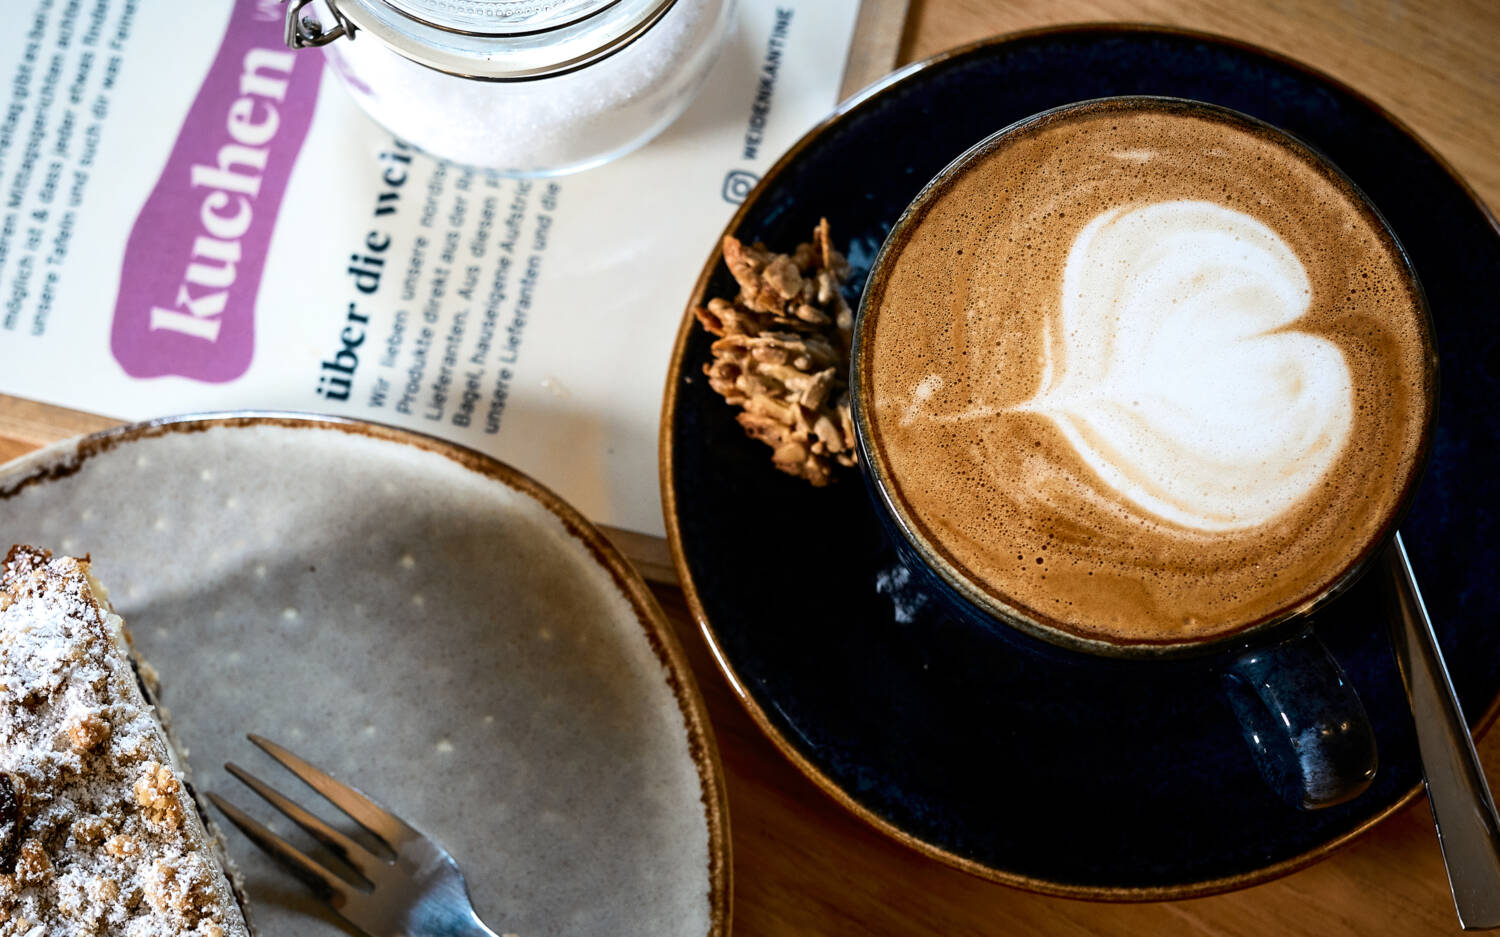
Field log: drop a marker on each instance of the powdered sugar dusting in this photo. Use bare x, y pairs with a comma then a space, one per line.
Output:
106, 839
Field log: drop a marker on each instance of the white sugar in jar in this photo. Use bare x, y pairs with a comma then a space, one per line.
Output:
522, 87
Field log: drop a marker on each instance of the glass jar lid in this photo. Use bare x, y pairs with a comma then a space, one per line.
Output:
499, 17
499, 40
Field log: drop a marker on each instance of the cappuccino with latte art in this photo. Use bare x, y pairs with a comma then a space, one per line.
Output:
1144, 371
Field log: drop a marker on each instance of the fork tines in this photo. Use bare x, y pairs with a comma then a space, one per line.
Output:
416, 888
385, 826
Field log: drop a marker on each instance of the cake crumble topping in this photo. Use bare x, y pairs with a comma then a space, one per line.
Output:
98, 835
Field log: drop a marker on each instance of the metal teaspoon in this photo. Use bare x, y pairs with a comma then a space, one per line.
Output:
1462, 808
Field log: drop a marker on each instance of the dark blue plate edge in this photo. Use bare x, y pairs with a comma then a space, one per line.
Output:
1195, 889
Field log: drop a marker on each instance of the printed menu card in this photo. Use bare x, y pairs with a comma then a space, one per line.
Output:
195, 218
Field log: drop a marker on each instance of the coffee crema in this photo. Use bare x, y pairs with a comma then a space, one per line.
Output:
1146, 371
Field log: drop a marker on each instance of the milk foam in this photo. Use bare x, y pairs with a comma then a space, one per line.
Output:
1144, 371
1172, 372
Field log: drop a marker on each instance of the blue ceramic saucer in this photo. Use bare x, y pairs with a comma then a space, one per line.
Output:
1079, 777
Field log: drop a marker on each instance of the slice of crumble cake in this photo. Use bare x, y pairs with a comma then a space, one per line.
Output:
99, 831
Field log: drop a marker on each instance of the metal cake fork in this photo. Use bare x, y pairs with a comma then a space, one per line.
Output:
418, 892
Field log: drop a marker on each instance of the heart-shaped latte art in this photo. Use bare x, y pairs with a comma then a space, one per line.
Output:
1172, 371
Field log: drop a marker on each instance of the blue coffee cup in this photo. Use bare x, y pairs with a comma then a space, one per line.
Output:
1298, 712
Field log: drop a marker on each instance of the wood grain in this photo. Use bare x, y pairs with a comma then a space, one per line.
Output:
877, 43
1434, 63
803, 865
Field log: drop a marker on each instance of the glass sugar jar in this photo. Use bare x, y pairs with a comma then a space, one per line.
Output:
522, 87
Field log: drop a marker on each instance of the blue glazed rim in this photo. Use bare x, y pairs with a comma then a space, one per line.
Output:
767, 713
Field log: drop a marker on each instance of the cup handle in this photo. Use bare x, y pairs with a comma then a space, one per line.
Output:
1302, 720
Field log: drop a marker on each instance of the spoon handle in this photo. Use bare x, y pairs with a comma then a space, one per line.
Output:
1462, 808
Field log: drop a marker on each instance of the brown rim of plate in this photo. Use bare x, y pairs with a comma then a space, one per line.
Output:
684, 575
64, 458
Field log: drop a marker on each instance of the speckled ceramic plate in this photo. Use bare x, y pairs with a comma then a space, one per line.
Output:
423, 621
1072, 777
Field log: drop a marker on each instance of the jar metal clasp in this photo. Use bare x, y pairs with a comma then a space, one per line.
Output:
306, 32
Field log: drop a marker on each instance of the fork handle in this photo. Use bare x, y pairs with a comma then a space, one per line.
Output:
473, 927
440, 913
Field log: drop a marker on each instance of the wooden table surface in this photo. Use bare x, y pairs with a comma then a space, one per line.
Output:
804, 866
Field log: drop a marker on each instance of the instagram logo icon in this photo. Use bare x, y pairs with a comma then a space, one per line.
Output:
737, 185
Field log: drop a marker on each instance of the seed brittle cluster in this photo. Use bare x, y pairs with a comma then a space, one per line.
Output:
782, 354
